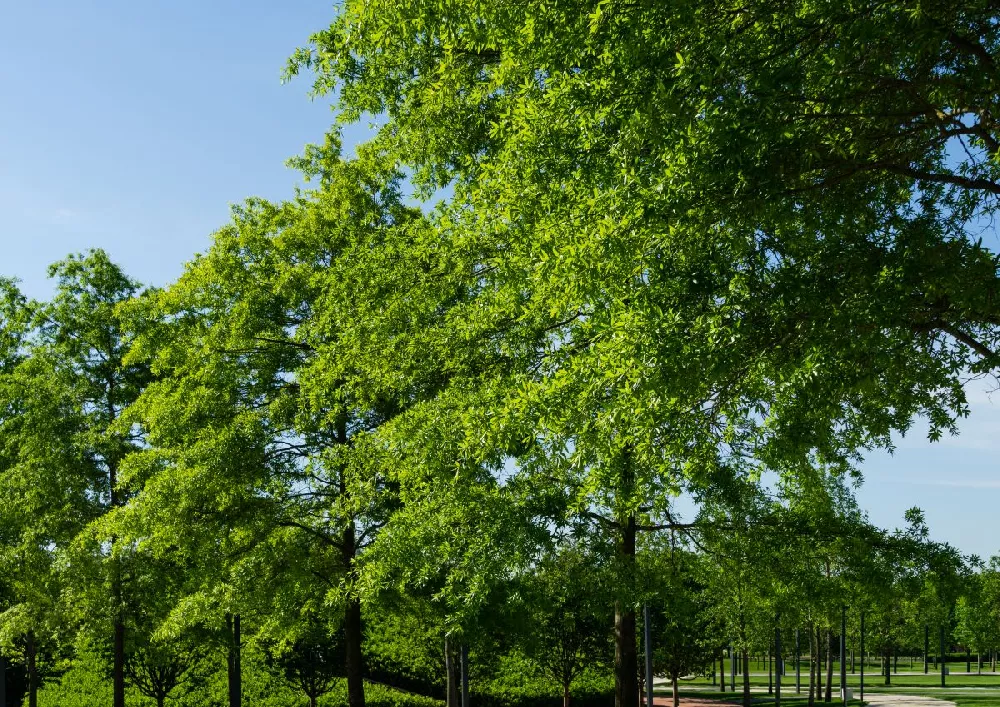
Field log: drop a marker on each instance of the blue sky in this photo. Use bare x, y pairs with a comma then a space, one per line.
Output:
132, 126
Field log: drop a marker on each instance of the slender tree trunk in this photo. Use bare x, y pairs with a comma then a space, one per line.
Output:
819, 664
722, 670
812, 666
566, 693
676, 690
234, 661
886, 665
746, 681
828, 697
118, 659
31, 653
160, 701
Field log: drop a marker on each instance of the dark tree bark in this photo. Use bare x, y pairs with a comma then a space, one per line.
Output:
353, 637
626, 655
234, 661
451, 684
746, 679
118, 659
119, 662
31, 653
353, 632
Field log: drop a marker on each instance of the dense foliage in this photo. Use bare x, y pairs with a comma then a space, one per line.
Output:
715, 250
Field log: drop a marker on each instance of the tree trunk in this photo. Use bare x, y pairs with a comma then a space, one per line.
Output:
722, 670
234, 661
3, 681
31, 653
451, 685
812, 666
353, 635
118, 660
886, 664
566, 694
828, 697
676, 690
160, 700
819, 665
626, 656
746, 681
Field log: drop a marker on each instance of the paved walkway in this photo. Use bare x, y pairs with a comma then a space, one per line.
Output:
871, 699
685, 702
886, 700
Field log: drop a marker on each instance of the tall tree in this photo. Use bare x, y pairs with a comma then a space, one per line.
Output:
253, 424
72, 386
672, 298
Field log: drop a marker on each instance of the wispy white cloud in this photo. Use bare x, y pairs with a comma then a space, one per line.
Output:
64, 217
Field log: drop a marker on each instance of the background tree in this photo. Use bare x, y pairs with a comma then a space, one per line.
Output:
568, 622
312, 660
685, 638
68, 391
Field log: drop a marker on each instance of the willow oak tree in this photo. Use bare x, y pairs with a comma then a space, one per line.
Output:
729, 128
64, 450
609, 400
614, 173
251, 422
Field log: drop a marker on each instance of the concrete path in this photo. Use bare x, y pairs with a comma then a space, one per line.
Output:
891, 700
